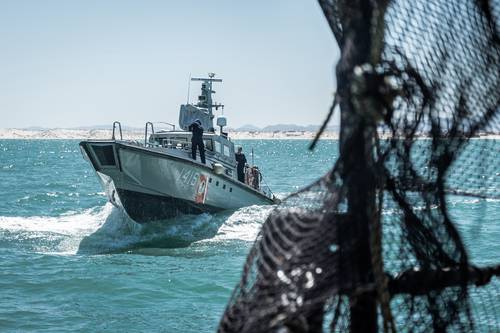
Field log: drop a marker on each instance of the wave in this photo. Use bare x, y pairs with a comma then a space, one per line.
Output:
108, 230
244, 224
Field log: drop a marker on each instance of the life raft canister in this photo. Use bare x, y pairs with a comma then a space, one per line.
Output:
252, 176
201, 190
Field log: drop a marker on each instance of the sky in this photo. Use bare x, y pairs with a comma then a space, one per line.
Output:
84, 63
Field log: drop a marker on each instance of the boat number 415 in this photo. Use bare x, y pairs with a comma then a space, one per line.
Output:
189, 177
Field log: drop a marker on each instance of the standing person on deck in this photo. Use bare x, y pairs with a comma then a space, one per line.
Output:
241, 160
197, 140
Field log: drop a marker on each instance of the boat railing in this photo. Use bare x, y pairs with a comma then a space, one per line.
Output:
266, 190
152, 125
114, 128
165, 123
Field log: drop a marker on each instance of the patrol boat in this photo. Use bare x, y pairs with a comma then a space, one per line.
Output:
157, 179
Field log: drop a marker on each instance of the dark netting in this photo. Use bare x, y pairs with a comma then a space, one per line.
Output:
372, 245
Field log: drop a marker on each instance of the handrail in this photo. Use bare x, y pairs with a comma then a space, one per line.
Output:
146, 133
119, 127
162, 122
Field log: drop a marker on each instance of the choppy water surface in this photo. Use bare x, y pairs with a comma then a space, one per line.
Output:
70, 261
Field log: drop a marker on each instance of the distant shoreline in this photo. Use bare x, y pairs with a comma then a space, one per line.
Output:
100, 134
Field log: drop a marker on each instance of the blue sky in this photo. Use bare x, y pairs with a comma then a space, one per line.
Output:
80, 63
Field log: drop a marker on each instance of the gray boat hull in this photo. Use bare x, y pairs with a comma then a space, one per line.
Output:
152, 184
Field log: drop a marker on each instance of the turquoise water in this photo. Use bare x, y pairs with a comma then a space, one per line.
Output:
70, 261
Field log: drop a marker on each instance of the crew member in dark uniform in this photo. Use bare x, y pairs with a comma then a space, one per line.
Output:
197, 140
241, 160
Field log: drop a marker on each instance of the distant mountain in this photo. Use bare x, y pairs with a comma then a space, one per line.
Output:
284, 128
247, 128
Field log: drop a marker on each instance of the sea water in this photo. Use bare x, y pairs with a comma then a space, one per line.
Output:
70, 261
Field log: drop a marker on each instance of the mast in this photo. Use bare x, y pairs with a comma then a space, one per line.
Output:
205, 99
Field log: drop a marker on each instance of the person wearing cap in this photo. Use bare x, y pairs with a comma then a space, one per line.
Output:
241, 160
197, 140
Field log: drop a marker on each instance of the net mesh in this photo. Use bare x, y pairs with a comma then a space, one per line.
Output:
372, 245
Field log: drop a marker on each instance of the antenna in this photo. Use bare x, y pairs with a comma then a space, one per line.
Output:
189, 87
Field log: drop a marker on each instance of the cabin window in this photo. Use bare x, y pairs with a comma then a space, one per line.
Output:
217, 147
209, 180
178, 142
217, 183
224, 186
230, 189
209, 144
164, 143
226, 150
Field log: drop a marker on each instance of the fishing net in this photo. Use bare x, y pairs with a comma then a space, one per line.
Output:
371, 246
